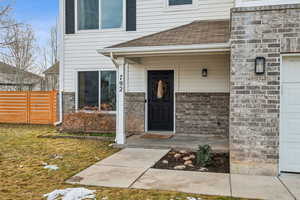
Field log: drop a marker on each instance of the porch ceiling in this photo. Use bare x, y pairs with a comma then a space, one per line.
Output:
198, 36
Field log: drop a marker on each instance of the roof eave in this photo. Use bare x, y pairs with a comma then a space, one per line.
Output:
171, 49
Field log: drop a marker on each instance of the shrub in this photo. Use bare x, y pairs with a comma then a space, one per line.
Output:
82, 122
204, 155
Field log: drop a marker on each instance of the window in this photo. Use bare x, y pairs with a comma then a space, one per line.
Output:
100, 14
88, 14
180, 2
108, 90
88, 90
111, 14
92, 92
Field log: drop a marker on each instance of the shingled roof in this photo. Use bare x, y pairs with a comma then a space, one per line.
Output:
8, 69
197, 32
54, 69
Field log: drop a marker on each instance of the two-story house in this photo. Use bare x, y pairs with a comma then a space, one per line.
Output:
190, 67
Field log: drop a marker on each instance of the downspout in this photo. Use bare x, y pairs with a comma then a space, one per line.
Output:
61, 62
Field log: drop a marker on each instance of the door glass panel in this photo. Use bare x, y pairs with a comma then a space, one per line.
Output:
161, 89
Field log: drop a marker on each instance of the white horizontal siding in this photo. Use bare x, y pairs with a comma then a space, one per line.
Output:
188, 73
152, 16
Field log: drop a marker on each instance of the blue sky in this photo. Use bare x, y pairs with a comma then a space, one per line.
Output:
41, 14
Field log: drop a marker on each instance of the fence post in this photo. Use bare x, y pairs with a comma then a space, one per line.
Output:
28, 109
52, 108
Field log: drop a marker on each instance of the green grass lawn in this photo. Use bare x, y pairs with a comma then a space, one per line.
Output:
22, 175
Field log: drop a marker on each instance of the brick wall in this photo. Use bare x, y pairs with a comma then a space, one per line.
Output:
202, 113
68, 102
135, 113
264, 31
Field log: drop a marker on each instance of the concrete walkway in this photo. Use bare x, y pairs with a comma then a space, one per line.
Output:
131, 168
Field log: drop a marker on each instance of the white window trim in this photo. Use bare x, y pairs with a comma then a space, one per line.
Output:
77, 92
122, 28
194, 5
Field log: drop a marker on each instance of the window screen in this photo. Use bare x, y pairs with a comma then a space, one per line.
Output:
179, 2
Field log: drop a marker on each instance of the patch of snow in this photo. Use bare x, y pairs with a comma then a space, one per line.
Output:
51, 167
193, 198
71, 194
58, 157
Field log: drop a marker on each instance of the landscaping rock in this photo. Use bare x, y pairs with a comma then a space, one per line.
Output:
177, 155
180, 167
175, 160
165, 162
186, 158
188, 162
203, 169
191, 165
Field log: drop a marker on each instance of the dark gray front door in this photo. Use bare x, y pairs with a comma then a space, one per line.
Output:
160, 100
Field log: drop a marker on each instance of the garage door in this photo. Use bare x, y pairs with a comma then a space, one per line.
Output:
290, 115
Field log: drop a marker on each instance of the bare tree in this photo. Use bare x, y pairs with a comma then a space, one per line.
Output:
48, 54
6, 23
20, 50
54, 45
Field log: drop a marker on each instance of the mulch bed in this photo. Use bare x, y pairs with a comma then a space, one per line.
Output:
220, 162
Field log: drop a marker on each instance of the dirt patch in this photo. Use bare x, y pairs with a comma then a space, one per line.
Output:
186, 161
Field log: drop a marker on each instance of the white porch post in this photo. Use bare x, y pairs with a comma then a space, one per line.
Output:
120, 123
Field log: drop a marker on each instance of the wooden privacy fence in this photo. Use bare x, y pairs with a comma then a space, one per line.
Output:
28, 107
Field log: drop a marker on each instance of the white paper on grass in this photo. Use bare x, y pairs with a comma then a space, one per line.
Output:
51, 167
71, 194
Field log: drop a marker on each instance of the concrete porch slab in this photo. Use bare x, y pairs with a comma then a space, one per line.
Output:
218, 144
107, 176
134, 157
292, 182
259, 187
184, 181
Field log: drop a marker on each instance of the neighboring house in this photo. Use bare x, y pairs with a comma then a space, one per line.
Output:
52, 77
190, 67
8, 79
